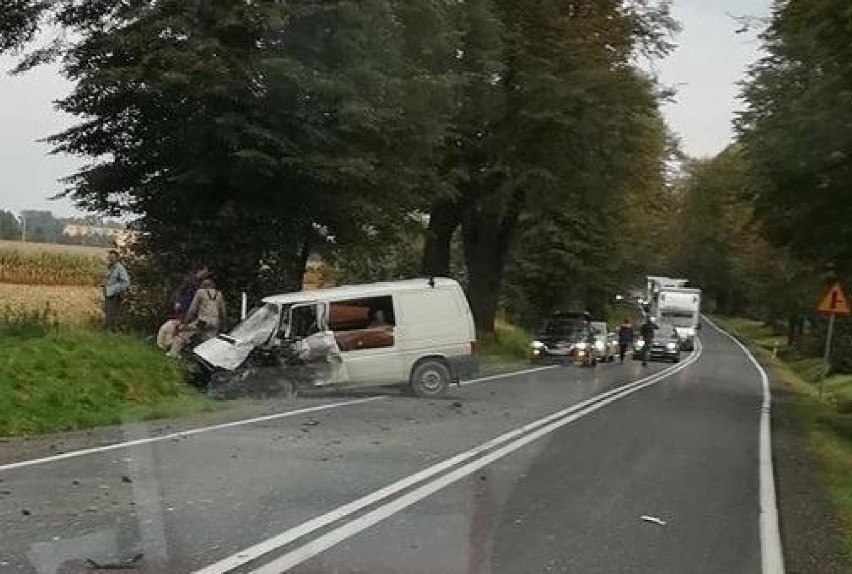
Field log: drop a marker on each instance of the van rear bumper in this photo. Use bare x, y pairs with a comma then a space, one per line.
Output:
463, 367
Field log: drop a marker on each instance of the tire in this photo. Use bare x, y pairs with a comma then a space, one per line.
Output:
430, 379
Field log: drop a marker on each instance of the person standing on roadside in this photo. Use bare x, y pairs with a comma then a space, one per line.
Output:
115, 286
647, 332
625, 338
186, 293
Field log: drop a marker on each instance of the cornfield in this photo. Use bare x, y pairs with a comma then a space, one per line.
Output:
53, 268
68, 304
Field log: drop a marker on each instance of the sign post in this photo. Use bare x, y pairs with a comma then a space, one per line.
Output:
833, 304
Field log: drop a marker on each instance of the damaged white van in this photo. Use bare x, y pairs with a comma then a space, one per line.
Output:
419, 333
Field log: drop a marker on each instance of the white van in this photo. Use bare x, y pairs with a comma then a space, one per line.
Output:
419, 332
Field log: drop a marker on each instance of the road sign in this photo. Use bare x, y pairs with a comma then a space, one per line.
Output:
835, 302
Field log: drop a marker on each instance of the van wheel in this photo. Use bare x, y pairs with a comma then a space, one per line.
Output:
430, 379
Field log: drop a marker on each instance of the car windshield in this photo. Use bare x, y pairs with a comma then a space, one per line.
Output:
564, 328
259, 325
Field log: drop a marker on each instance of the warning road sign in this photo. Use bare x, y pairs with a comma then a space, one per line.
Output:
835, 302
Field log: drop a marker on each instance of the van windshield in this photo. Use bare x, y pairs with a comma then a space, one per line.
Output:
259, 325
679, 318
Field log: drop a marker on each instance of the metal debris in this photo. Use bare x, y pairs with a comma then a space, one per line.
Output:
654, 520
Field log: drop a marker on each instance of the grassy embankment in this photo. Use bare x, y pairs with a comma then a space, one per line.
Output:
58, 372
826, 423
507, 348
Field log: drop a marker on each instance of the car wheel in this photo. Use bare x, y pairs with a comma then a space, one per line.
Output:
430, 379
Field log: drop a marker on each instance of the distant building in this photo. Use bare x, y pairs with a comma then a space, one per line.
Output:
119, 235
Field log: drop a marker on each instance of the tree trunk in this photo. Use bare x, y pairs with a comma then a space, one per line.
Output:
485, 273
443, 221
487, 238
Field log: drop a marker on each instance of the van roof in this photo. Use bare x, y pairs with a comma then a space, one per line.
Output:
356, 291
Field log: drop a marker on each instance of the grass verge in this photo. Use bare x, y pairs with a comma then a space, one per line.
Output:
54, 379
826, 423
508, 347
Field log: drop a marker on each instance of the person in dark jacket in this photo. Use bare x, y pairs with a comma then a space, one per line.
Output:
625, 338
647, 332
186, 293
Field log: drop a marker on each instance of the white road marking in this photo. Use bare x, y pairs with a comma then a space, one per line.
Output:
182, 434
528, 433
238, 423
507, 375
771, 550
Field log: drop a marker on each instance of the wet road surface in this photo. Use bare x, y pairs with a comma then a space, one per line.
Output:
543, 471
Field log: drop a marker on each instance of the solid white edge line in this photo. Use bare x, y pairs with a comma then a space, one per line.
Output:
181, 434
232, 424
771, 548
262, 548
326, 541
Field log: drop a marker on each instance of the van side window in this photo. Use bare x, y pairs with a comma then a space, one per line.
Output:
363, 323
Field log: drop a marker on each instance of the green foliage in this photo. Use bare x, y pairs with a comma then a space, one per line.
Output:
243, 133
507, 345
9, 227
796, 130
54, 380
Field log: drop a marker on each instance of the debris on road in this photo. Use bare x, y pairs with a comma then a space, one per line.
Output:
654, 520
458, 404
126, 479
25, 512
131, 564
310, 423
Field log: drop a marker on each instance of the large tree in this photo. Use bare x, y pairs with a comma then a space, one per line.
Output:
550, 93
248, 131
796, 132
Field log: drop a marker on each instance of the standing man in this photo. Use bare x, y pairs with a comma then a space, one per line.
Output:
115, 286
647, 331
625, 338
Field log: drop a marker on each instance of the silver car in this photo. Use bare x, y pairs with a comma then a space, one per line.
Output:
606, 343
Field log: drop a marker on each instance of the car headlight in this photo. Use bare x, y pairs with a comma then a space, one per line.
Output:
599, 346
671, 346
537, 345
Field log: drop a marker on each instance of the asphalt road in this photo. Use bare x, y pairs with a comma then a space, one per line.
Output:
545, 471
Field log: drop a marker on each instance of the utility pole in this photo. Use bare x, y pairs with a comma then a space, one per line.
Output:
23, 228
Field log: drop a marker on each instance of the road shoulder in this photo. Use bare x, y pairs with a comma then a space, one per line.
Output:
811, 529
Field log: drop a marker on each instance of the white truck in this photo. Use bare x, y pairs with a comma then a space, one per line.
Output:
681, 308
653, 285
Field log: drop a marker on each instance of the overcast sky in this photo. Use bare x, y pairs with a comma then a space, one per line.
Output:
705, 69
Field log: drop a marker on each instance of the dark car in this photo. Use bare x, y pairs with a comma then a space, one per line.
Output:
666, 346
558, 337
